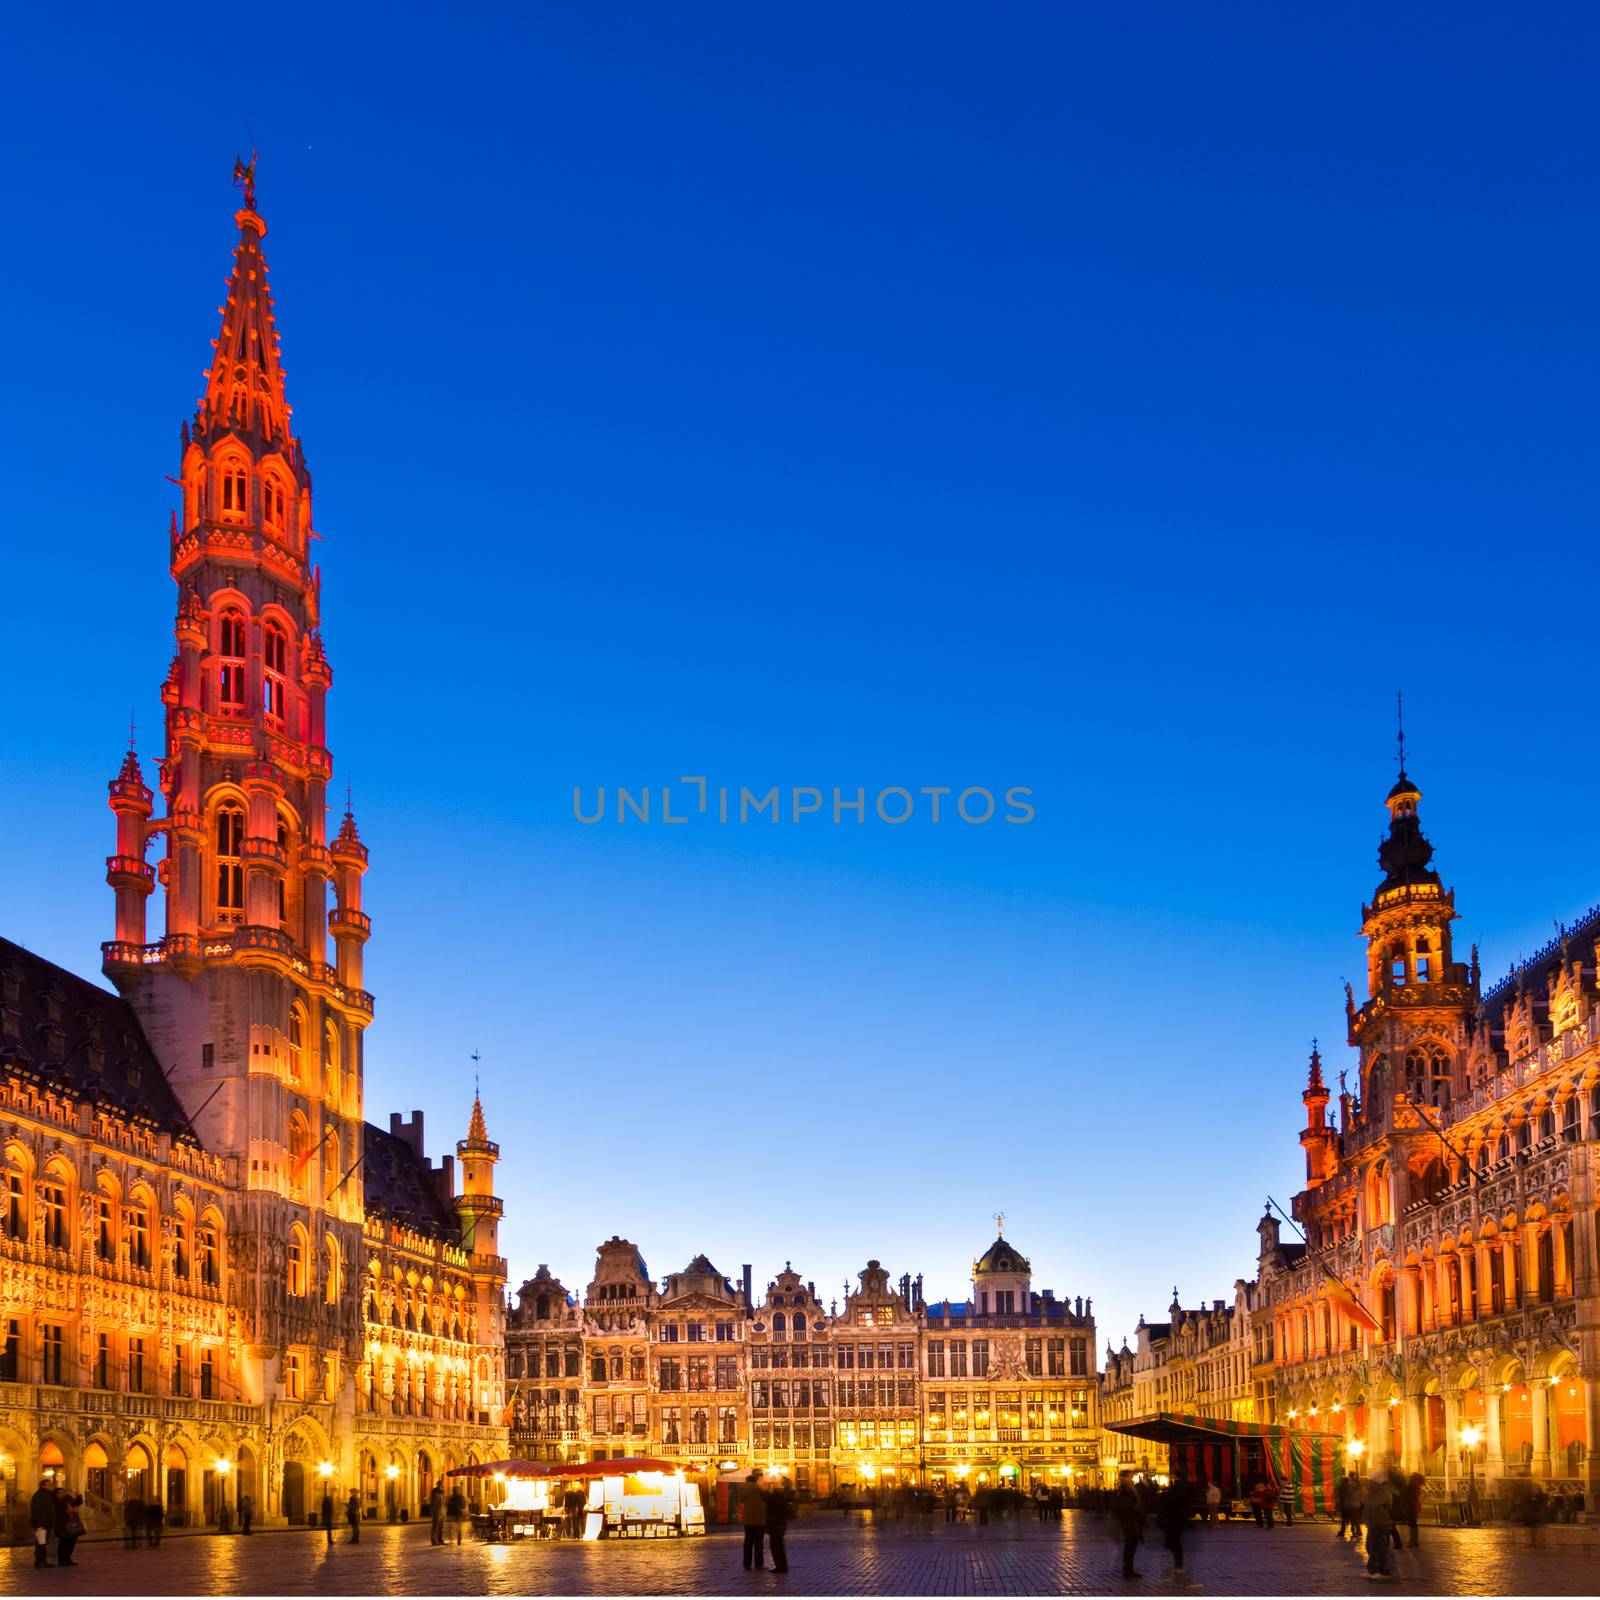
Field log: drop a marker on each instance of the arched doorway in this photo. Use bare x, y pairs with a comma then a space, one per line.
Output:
245, 1477
177, 1503
369, 1484
294, 1492
138, 1474
52, 1464
97, 1476
424, 1480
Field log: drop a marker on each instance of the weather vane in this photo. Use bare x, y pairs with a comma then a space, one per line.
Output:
1400, 721
475, 1059
244, 177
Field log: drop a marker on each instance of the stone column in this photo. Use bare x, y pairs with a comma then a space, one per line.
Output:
1452, 1437
1415, 1438
1591, 1431
1494, 1432
1539, 1390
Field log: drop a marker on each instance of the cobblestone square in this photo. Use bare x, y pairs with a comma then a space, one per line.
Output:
827, 1556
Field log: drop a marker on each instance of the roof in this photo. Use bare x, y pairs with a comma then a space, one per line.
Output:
398, 1184
1001, 1256
73, 1037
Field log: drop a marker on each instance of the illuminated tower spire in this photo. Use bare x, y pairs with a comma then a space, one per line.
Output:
259, 1033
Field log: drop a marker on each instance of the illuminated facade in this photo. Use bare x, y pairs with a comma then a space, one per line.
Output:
219, 1278
880, 1392
1445, 1313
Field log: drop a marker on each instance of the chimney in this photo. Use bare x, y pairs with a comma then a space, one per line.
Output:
409, 1129
745, 1276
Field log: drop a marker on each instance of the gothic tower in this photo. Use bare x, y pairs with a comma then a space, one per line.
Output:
1412, 1030
480, 1209
260, 1034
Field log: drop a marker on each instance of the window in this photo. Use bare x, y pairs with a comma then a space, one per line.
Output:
235, 491
1035, 1358
334, 1273
958, 1358
727, 1373
330, 1060
180, 1369
181, 1236
139, 1235
1056, 1357
727, 1425
1080, 1358
207, 1250
283, 877
105, 1228
230, 865
936, 1358
11, 1353
208, 1375
136, 1366
272, 503
54, 1349
275, 664
14, 1217
670, 1375
980, 1358
294, 1376
230, 661
102, 1361
297, 1260
297, 1045
724, 1333
53, 1198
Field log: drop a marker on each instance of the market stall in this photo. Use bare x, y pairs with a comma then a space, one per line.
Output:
1236, 1455
632, 1497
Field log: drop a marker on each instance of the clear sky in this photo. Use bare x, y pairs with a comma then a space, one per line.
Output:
1121, 402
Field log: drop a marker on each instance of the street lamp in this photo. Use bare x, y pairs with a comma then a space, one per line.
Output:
1355, 1450
1469, 1442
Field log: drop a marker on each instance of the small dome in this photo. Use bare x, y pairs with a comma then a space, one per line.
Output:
1404, 785
1000, 1257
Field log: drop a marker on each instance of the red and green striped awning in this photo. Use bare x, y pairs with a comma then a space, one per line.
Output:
1309, 1465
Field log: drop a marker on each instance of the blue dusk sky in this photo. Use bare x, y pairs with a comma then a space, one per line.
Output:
1120, 402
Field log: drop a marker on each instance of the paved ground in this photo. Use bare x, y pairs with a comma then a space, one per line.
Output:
826, 1557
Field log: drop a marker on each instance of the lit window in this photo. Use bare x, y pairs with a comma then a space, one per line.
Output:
230, 863
235, 491
230, 660
297, 1261
275, 661
297, 1044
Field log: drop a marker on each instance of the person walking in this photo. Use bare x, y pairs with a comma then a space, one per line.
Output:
1127, 1516
247, 1512
1377, 1511
327, 1515
1349, 1500
436, 1515
155, 1521
1172, 1516
1213, 1502
949, 1502
1412, 1505
352, 1515
42, 1514
456, 1510
132, 1521
780, 1507
69, 1525
753, 1517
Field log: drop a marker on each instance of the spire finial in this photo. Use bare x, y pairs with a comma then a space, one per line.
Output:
244, 178
1000, 1224
476, 1058
1400, 724
133, 725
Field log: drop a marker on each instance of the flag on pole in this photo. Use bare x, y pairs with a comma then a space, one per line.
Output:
1349, 1303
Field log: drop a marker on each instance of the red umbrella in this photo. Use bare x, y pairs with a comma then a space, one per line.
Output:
515, 1467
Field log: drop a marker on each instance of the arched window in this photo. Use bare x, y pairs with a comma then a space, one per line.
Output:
208, 1251
53, 1202
1423, 957
1397, 964
298, 1265
1439, 1074
14, 1201
333, 1270
272, 502
138, 1221
283, 877
275, 665
1547, 1123
297, 1044
182, 1244
230, 862
779, 1324
799, 1324
230, 660
330, 1060
235, 491
105, 1221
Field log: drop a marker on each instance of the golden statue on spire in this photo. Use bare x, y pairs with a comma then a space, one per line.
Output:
244, 177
